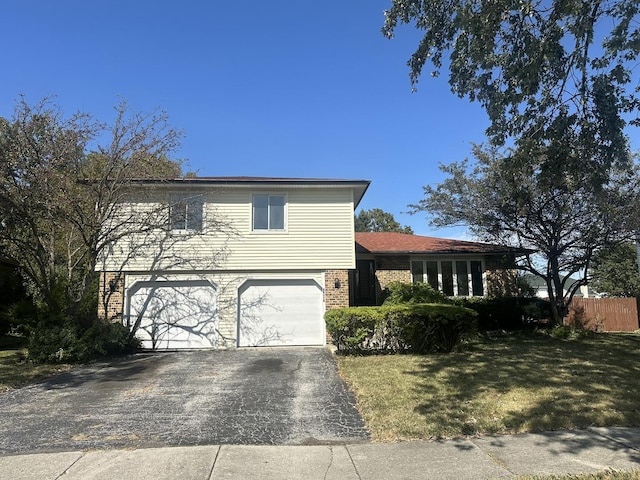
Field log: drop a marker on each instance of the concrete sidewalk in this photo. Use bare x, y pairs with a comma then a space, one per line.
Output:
567, 452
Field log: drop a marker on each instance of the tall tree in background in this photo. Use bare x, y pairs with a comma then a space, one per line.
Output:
615, 271
377, 220
558, 83
565, 218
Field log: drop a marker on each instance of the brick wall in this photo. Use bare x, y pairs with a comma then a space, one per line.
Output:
336, 297
111, 296
392, 269
501, 276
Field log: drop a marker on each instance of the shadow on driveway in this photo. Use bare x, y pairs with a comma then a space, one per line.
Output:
246, 396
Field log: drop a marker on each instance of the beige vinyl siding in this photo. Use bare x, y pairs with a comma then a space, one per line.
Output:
318, 235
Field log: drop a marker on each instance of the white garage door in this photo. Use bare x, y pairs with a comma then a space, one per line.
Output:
174, 314
280, 312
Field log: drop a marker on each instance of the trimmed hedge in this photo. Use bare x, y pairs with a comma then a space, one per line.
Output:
417, 327
398, 293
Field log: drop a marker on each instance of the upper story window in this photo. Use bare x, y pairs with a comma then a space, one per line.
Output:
269, 212
455, 278
186, 212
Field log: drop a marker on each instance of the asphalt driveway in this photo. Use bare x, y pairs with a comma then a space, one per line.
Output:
246, 396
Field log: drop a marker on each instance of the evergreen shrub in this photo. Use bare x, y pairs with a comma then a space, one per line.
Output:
414, 327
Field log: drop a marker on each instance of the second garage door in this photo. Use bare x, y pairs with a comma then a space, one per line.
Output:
280, 312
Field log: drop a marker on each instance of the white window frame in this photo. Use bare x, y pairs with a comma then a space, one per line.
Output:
285, 213
453, 261
177, 198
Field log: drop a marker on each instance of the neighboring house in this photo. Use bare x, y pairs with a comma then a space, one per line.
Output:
246, 261
454, 267
225, 262
540, 287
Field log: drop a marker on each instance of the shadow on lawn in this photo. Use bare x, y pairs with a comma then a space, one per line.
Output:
532, 383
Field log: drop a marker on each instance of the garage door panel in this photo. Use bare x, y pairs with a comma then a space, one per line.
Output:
175, 314
277, 313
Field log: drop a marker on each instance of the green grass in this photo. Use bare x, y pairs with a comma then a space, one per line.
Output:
15, 370
518, 383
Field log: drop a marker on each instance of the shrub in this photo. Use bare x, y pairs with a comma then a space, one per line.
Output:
568, 332
71, 343
419, 328
506, 313
398, 293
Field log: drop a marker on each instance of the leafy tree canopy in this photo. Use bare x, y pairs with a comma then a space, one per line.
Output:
556, 74
377, 220
565, 218
61, 178
615, 271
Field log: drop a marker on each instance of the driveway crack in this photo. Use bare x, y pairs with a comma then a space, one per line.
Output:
71, 466
355, 469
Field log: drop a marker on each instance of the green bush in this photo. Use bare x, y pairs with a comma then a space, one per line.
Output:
506, 313
398, 293
418, 327
71, 343
568, 332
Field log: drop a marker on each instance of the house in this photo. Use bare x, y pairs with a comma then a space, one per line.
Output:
539, 287
453, 267
223, 262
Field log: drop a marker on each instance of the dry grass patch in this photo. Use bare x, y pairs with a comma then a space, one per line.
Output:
16, 371
510, 384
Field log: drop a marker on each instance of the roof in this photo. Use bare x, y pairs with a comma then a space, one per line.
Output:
359, 186
402, 243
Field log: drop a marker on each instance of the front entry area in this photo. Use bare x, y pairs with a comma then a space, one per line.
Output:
277, 312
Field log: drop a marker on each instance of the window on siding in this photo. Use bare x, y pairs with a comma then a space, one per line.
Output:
459, 278
186, 212
268, 212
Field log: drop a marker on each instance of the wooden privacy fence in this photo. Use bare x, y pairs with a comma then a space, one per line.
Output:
604, 314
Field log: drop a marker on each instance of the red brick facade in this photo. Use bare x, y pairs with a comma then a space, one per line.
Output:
336, 289
111, 296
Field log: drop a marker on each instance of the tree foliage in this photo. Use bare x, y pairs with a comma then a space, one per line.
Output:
61, 180
556, 74
377, 220
509, 200
615, 271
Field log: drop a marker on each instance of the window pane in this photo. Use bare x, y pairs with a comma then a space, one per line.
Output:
462, 278
178, 213
276, 212
260, 212
432, 274
417, 274
447, 278
476, 279
195, 207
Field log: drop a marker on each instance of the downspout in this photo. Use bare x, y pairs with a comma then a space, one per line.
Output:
638, 250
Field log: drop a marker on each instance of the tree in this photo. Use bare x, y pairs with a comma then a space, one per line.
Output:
615, 271
552, 75
377, 220
508, 200
60, 201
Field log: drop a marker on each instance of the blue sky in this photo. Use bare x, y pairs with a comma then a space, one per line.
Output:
278, 88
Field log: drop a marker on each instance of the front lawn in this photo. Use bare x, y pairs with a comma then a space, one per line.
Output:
518, 383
